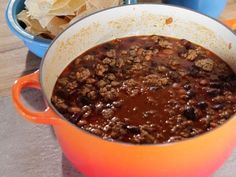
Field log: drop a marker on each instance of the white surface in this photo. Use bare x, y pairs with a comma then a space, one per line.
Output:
28, 150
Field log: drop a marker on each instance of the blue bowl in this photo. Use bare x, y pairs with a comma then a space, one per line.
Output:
36, 45
212, 8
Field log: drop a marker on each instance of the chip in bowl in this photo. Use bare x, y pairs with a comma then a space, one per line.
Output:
47, 18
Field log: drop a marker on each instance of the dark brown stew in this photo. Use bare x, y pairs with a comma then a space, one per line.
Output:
146, 89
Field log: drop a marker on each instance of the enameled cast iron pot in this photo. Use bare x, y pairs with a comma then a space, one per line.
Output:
93, 156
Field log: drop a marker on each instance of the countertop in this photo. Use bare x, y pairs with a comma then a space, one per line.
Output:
29, 150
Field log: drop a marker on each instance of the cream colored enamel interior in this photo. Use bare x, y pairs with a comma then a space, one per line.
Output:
135, 20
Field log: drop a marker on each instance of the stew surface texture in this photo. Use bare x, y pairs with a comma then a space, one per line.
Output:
146, 90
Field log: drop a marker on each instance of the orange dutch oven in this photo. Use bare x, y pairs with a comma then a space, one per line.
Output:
200, 156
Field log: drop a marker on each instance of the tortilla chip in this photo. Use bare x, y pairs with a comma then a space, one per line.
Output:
44, 21
50, 17
82, 12
59, 4
38, 8
69, 9
55, 25
101, 4
69, 17
33, 26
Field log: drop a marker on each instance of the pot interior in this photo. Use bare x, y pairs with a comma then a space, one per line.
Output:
131, 20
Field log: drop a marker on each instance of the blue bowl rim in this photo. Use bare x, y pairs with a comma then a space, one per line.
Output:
20, 32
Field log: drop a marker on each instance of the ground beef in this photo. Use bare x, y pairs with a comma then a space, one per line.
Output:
82, 74
191, 54
206, 64
100, 69
165, 44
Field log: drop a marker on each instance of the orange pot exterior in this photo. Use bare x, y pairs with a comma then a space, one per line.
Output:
197, 157
231, 23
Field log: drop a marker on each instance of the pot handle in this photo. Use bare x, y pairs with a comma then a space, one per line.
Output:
231, 23
31, 81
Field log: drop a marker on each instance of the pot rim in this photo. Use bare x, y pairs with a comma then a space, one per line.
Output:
117, 141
